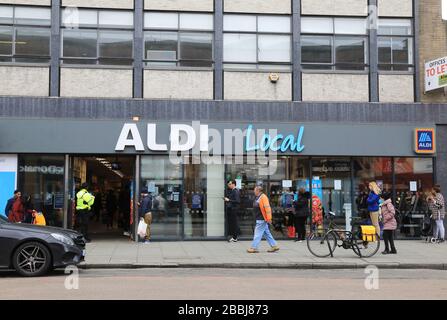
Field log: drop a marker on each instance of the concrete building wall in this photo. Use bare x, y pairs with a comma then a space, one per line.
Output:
258, 6
180, 5
432, 43
257, 86
395, 8
24, 81
335, 87
28, 2
95, 83
335, 7
112, 4
178, 84
396, 88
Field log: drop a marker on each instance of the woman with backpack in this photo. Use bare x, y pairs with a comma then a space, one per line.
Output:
373, 205
389, 223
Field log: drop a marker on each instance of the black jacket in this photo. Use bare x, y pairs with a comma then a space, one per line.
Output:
302, 206
235, 199
145, 206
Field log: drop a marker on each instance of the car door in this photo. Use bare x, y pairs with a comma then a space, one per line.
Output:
9, 237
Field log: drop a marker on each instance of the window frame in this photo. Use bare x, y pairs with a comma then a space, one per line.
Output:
176, 64
259, 65
13, 57
410, 67
332, 67
98, 29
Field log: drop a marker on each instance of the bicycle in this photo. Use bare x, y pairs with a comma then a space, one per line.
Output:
323, 244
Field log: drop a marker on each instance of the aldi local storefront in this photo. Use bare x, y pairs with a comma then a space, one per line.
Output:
185, 167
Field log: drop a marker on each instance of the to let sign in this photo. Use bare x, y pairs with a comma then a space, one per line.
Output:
436, 74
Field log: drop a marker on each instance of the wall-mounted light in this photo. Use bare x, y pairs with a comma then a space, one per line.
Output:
273, 77
136, 118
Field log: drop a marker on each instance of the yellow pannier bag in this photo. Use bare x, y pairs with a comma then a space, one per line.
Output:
368, 233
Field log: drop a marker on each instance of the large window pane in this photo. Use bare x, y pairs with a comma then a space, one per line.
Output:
350, 26
161, 45
239, 48
79, 43
32, 41
349, 51
196, 47
273, 24
72, 17
157, 20
317, 25
316, 49
115, 19
6, 14
5, 40
274, 48
402, 52
395, 27
239, 23
196, 21
384, 50
115, 44
32, 16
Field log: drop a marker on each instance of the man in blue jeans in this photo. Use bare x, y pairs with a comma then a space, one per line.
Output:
263, 214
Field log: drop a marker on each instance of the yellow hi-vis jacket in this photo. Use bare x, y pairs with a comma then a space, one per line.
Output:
85, 200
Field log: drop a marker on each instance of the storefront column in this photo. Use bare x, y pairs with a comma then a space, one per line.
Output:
67, 192
215, 188
136, 196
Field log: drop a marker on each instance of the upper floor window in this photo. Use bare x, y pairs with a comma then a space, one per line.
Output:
102, 37
178, 39
25, 34
252, 41
395, 42
334, 43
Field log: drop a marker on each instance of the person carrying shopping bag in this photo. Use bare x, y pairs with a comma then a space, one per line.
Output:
144, 211
389, 223
263, 214
373, 202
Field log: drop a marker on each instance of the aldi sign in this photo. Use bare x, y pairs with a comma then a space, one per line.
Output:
425, 140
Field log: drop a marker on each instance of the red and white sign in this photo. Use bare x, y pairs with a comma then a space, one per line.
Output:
436, 74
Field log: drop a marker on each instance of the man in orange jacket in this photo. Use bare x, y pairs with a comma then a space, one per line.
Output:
263, 214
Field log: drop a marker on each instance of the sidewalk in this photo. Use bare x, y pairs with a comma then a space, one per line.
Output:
412, 254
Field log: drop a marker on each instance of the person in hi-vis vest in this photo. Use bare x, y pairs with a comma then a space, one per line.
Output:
84, 203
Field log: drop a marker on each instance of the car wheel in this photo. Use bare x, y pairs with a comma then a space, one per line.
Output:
31, 259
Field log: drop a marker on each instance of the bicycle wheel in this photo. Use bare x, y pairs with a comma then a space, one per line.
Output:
319, 244
366, 249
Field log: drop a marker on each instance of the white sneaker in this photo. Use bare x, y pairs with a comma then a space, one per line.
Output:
127, 234
232, 240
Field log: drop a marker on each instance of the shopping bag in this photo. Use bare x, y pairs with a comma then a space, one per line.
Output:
39, 219
291, 232
142, 228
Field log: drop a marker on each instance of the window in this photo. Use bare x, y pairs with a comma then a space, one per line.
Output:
178, 39
25, 34
102, 37
395, 44
257, 41
334, 43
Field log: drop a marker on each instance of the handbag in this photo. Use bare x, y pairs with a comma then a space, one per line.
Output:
291, 232
142, 228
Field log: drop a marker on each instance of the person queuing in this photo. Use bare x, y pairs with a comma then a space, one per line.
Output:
373, 205
232, 202
84, 203
389, 223
301, 214
263, 216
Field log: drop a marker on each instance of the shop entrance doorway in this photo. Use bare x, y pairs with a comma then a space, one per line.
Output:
111, 181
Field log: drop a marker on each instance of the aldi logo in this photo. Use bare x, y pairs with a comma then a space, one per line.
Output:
425, 141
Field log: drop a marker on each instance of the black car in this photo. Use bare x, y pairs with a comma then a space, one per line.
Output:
34, 250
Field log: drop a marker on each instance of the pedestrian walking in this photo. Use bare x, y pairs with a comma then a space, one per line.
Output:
17, 212
373, 205
232, 201
84, 203
111, 205
436, 206
389, 223
301, 214
263, 216
10, 202
144, 212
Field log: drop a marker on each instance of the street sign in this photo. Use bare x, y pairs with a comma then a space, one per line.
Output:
436, 74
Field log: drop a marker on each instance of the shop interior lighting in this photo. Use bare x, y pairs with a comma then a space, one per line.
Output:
106, 163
